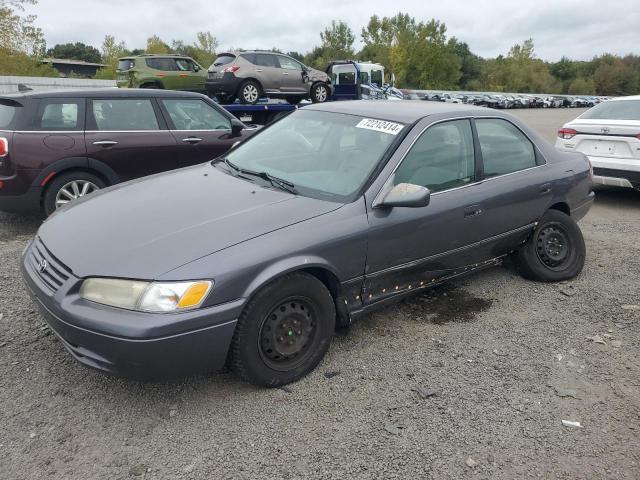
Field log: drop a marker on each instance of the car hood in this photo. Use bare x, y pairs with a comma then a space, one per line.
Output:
144, 228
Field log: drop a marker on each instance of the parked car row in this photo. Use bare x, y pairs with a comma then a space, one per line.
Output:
507, 100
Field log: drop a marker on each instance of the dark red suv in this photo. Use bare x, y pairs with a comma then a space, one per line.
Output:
58, 146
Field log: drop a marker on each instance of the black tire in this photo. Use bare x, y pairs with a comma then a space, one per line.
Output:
293, 100
555, 251
226, 99
319, 93
261, 352
59, 182
151, 85
249, 92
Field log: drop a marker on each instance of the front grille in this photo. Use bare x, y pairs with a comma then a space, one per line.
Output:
55, 272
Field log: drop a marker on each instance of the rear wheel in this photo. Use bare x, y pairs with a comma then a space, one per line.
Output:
555, 251
249, 92
69, 187
284, 331
319, 93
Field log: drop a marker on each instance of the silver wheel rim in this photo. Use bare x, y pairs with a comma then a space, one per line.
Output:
250, 93
74, 189
321, 93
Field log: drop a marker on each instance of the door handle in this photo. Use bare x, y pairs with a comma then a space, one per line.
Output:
473, 211
285, 73
105, 143
258, 69
192, 140
545, 188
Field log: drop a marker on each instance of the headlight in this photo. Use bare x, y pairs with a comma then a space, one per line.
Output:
146, 296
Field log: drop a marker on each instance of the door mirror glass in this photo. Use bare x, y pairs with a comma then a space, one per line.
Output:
406, 195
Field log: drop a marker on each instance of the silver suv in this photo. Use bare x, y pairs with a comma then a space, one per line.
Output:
250, 75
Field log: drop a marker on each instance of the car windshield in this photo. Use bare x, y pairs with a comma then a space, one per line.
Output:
324, 155
615, 110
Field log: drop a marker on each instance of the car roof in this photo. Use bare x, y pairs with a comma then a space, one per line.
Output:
110, 92
405, 111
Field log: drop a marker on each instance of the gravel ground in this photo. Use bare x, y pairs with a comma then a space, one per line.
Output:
471, 380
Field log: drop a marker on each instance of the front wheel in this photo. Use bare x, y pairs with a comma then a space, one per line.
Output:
284, 331
555, 251
319, 93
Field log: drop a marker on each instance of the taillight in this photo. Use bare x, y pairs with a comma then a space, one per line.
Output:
4, 147
566, 133
232, 69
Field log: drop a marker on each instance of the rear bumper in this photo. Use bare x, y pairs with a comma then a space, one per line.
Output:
616, 178
133, 344
578, 212
227, 85
28, 202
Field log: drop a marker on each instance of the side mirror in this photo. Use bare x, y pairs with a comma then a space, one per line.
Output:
236, 127
405, 195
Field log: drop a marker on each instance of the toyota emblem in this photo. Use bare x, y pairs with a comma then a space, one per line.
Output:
42, 266
605, 130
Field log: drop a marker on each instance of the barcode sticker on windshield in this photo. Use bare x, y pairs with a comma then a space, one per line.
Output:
380, 126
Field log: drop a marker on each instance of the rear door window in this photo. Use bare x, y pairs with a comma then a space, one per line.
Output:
267, 60
505, 149
124, 114
195, 115
59, 114
164, 64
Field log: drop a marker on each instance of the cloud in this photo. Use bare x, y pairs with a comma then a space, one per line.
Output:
577, 29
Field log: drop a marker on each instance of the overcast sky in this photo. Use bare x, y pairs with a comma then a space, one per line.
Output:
578, 29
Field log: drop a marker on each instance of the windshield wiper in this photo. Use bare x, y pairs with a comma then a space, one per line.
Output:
275, 181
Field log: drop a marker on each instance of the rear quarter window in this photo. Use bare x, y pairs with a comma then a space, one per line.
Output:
126, 64
7, 115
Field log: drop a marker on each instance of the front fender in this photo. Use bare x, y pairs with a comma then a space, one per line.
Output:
287, 265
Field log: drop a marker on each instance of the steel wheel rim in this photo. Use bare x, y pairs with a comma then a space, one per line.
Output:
321, 93
250, 93
553, 246
73, 190
288, 333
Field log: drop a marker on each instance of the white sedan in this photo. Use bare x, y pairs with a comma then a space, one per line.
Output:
609, 134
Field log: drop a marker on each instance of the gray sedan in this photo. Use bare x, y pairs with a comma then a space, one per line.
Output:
253, 259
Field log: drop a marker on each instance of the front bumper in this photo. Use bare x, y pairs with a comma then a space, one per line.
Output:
132, 344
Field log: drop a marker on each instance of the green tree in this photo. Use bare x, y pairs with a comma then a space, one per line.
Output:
75, 51
18, 32
613, 76
470, 64
112, 50
337, 40
21, 42
156, 45
581, 86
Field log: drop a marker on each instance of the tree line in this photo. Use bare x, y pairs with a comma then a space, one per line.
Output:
419, 53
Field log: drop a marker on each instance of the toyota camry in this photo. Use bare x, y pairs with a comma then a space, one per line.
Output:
254, 258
